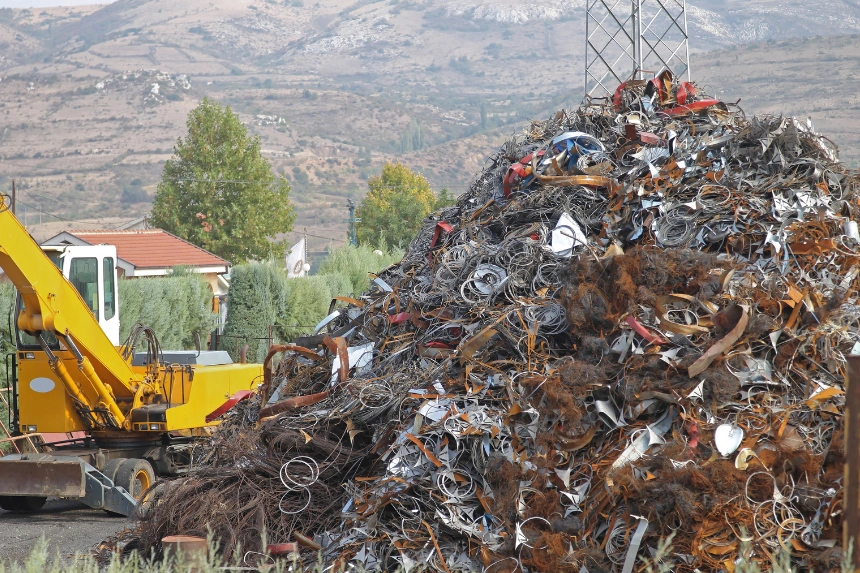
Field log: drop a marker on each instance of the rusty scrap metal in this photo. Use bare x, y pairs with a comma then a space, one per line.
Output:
635, 323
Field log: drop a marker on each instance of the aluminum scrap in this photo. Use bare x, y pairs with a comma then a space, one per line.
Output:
634, 324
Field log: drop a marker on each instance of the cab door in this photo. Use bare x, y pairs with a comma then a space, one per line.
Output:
92, 271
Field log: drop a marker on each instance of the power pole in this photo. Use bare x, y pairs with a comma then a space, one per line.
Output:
353, 235
14, 197
623, 39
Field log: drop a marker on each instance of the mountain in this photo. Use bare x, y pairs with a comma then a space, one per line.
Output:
44, 3
92, 98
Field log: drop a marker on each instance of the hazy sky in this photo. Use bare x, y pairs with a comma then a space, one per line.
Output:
48, 3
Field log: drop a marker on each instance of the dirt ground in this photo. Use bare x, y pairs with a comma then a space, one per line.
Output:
69, 527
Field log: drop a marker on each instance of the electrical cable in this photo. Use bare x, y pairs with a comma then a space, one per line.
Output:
44, 212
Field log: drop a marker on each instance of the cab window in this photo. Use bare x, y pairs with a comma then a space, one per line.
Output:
84, 276
56, 258
109, 288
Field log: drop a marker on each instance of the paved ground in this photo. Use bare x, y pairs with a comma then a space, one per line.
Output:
69, 527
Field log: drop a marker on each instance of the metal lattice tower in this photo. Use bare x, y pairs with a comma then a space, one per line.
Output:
626, 38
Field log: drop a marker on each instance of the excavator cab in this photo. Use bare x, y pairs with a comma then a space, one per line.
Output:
92, 271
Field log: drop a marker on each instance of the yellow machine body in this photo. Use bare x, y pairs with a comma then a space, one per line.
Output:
211, 387
45, 406
81, 381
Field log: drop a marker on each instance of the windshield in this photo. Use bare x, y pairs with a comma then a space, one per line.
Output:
84, 276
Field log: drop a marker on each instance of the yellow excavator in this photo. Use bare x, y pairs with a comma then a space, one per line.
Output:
124, 413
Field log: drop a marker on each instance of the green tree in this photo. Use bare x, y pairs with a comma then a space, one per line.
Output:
444, 199
397, 201
175, 306
218, 192
354, 263
257, 299
412, 138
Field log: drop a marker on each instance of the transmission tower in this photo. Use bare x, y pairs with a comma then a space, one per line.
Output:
627, 38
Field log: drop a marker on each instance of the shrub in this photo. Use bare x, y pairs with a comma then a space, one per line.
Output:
257, 299
338, 284
41, 559
133, 195
174, 306
300, 177
308, 300
261, 295
356, 262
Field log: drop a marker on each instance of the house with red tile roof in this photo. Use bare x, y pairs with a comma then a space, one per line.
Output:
152, 253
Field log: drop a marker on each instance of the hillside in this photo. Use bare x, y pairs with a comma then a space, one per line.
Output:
93, 98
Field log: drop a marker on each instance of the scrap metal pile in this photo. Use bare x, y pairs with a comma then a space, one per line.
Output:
633, 325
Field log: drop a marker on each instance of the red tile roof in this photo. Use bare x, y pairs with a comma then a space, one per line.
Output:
152, 248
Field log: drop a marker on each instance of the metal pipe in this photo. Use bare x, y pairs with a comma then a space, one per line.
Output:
637, 40
687, 42
60, 370
851, 517
292, 403
587, 32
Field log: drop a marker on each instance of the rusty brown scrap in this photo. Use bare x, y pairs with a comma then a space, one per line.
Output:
635, 323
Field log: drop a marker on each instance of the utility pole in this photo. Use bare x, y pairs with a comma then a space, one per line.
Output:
14, 197
353, 235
